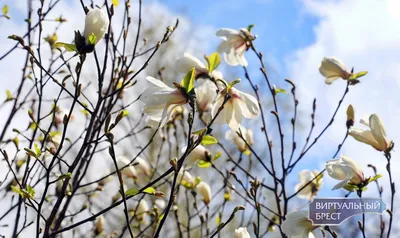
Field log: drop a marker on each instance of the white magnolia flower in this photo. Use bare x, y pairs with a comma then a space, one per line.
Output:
333, 68
344, 169
185, 178
161, 100
297, 224
130, 170
160, 204
308, 192
142, 166
238, 106
185, 63
205, 191
234, 44
240, 143
375, 136
242, 232
96, 22
206, 93
142, 209
197, 154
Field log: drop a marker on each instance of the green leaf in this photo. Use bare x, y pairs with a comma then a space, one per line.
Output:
28, 192
64, 176
218, 220
249, 27
350, 187
149, 190
5, 9
213, 61
9, 96
115, 3
203, 164
358, 75
217, 156
66, 46
30, 152
200, 132
121, 115
92, 39
279, 90
37, 150
208, 140
131, 192
231, 84
188, 81
376, 177
160, 217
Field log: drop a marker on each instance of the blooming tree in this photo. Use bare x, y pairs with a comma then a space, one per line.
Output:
115, 142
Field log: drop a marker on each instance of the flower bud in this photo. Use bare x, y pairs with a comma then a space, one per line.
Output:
242, 232
96, 23
205, 191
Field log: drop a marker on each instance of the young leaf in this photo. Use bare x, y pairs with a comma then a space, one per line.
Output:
149, 190
64, 176
231, 84
92, 39
279, 90
115, 3
121, 115
66, 46
358, 75
9, 97
188, 81
5, 9
213, 61
203, 164
131, 192
217, 155
250, 27
208, 140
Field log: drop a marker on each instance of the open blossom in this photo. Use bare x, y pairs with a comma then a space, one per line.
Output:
96, 22
310, 191
205, 191
242, 232
297, 224
142, 166
344, 169
333, 68
234, 44
185, 63
238, 106
197, 154
247, 134
375, 136
130, 170
206, 93
161, 100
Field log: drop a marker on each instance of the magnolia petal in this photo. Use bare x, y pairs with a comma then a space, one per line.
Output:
378, 131
217, 105
341, 184
364, 136
233, 115
296, 223
187, 62
331, 79
335, 170
249, 105
225, 33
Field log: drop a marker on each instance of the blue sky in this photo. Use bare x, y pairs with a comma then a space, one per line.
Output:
282, 26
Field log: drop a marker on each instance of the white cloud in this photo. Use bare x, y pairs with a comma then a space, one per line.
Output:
364, 34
